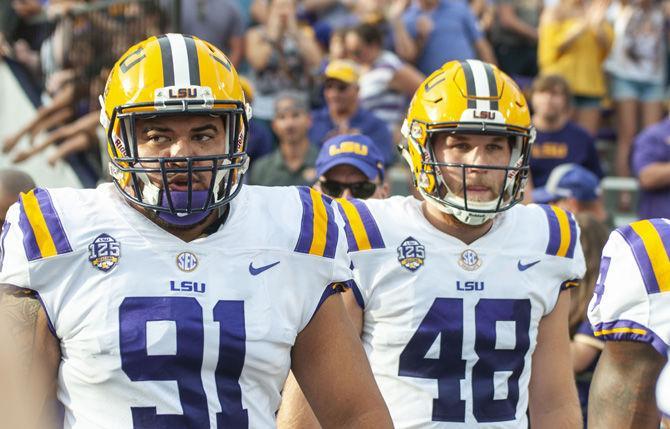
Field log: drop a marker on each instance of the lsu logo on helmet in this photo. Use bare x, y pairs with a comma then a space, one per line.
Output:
468, 97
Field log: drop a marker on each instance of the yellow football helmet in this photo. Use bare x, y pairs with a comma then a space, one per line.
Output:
174, 74
469, 97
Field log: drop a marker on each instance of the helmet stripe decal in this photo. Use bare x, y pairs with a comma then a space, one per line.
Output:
166, 57
193, 65
180, 65
470, 84
481, 84
493, 86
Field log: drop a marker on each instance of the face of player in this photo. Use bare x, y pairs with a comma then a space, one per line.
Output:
482, 184
181, 136
290, 123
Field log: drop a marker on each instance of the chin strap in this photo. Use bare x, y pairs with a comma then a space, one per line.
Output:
180, 201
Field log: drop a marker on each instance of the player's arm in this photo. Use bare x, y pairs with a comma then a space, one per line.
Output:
29, 360
330, 365
622, 390
295, 412
553, 401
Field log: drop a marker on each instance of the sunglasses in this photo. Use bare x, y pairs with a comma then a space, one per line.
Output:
360, 190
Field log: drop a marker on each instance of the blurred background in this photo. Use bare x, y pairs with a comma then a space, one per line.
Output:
594, 71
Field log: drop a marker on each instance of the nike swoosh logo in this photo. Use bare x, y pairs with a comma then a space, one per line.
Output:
524, 267
256, 271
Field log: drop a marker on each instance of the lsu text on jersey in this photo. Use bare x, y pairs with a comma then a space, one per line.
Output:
450, 328
158, 332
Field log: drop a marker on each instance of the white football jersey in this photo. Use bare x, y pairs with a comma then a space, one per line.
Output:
450, 328
632, 294
157, 332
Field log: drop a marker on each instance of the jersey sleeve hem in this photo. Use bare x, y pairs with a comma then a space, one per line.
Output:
628, 330
330, 290
50, 324
569, 284
351, 284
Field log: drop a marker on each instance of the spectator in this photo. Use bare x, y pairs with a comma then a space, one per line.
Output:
559, 140
282, 55
12, 183
343, 114
441, 31
573, 188
217, 21
650, 162
260, 141
292, 163
386, 83
574, 40
636, 67
349, 166
514, 36
585, 346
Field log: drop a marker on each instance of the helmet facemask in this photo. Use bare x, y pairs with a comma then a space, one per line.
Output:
132, 173
433, 186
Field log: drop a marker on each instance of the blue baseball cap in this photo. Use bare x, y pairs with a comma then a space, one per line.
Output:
357, 150
568, 181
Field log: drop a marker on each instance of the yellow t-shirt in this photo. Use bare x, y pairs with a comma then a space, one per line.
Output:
581, 63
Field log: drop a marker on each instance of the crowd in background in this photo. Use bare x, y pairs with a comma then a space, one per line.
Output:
595, 74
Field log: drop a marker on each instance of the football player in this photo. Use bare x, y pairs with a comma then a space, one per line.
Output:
629, 311
175, 297
461, 299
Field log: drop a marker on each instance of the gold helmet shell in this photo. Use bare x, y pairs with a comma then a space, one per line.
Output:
174, 74
469, 97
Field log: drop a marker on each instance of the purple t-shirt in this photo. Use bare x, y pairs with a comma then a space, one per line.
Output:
650, 146
572, 144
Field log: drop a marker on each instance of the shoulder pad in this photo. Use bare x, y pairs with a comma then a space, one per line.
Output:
562, 232
318, 230
649, 241
43, 233
360, 226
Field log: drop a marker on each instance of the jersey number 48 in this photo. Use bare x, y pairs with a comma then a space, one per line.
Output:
445, 319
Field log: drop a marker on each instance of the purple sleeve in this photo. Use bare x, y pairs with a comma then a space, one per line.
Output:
647, 149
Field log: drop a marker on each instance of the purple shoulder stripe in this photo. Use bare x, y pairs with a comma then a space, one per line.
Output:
554, 230
332, 230
351, 239
641, 257
371, 228
29, 241
53, 221
307, 222
573, 235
